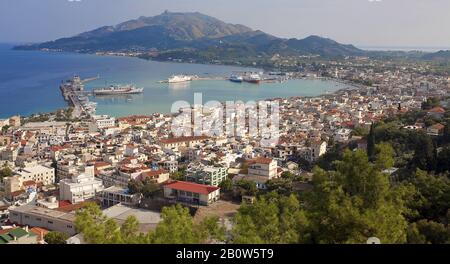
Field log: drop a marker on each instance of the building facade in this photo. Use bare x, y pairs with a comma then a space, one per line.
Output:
207, 175
192, 193
80, 188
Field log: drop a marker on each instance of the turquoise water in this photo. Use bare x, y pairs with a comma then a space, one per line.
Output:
29, 83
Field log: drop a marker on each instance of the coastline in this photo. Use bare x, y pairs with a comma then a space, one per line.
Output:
325, 93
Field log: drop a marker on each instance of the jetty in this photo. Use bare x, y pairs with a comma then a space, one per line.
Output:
74, 94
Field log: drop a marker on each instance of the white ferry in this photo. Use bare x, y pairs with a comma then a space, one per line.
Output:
180, 78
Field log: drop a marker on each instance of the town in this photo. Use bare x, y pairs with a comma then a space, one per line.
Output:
53, 165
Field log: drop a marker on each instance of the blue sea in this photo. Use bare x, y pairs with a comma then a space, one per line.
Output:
29, 83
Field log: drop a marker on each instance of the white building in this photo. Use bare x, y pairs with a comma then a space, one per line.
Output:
263, 167
193, 193
80, 188
342, 135
103, 121
317, 149
260, 170
37, 173
118, 195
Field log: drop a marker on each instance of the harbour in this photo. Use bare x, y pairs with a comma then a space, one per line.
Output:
31, 79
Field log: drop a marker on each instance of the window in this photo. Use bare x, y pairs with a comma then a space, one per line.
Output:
50, 222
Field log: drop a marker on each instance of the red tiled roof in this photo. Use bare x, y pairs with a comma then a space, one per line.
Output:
67, 208
64, 203
100, 164
183, 139
152, 174
260, 160
29, 183
438, 110
437, 126
191, 187
39, 231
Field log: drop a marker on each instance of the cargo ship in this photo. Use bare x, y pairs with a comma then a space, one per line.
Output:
118, 90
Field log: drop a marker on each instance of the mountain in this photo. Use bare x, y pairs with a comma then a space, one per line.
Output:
193, 34
442, 55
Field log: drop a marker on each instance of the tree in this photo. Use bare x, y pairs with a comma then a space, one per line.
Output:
135, 186
54, 237
429, 232
271, 219
430, 103
176, 227
226, 185
433, 199
282, 186
443, 161
178, 175
5, 172
384, 156
247, 187
5, 128
355, 202
150, 189
424, 154
129, 229
371, 143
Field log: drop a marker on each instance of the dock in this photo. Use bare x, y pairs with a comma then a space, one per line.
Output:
72, 90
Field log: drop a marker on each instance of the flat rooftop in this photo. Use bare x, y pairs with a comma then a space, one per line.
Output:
147, 219
44, 212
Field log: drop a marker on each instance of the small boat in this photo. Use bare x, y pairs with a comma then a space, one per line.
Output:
236, 78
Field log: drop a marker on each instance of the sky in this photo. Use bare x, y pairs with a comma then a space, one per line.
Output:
364, 23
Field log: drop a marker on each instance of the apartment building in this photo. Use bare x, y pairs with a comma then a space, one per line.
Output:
207, 175
79, 188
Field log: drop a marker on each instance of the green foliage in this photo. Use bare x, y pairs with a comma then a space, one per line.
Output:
56, 238
428, 232
4, 129
360, 131
226, 185
176, 227
371, 142
354, 203
281, 185
384, 156
178, 175
5, 172
327, 161
271, 219
424, 154
247, 187
135, 186
147, 188
443, 160
433, 198
430, 103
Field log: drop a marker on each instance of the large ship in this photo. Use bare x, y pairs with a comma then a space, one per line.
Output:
180, 78
118, 89
252, 78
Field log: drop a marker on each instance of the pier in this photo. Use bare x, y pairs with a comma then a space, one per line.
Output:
72, 90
